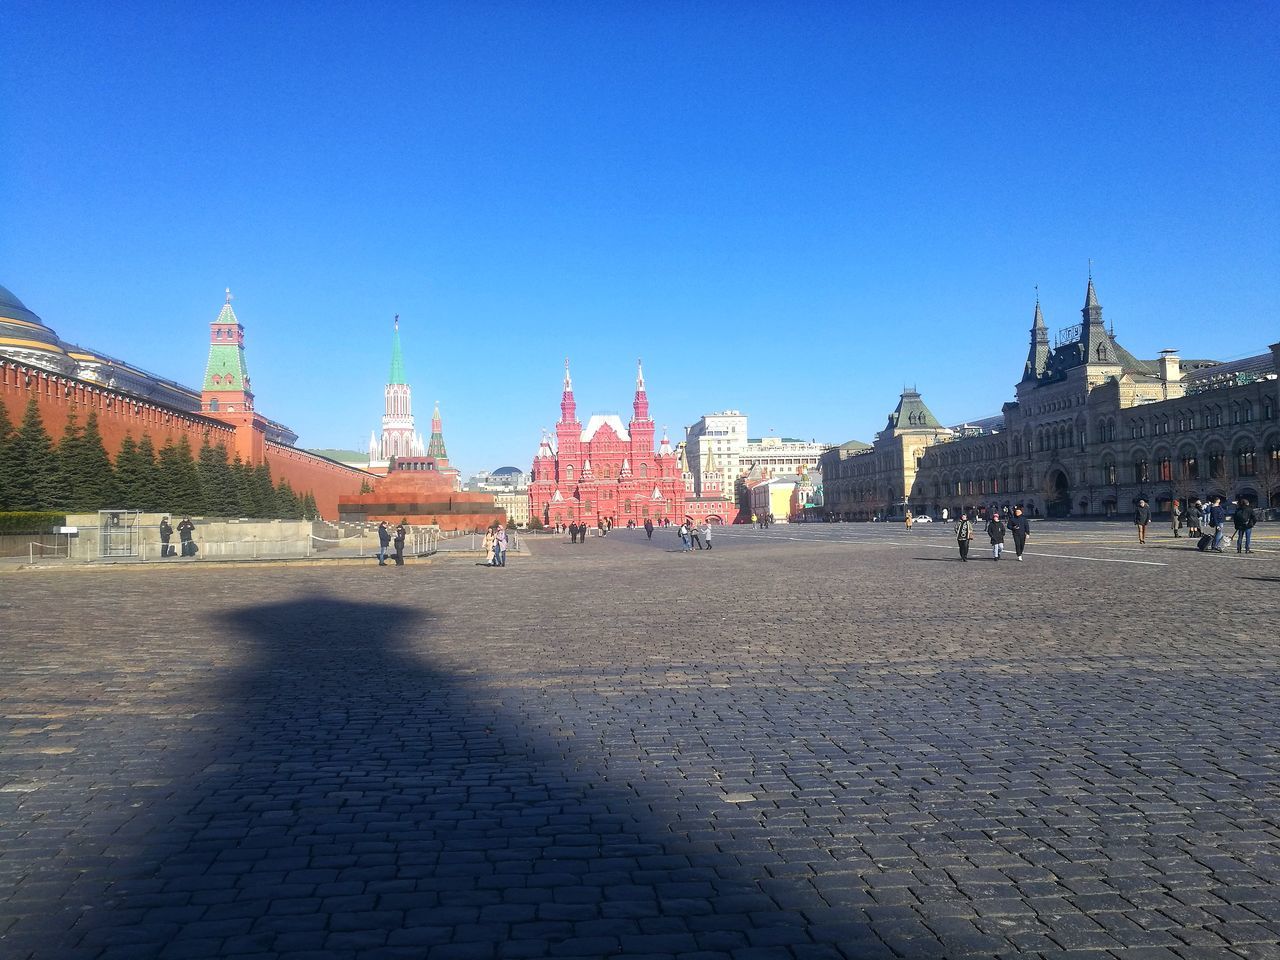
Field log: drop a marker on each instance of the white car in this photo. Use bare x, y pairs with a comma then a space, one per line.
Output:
923, 518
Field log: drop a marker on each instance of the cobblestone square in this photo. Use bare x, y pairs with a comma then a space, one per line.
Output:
827, 742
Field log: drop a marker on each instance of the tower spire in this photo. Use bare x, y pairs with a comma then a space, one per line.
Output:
568, 406
397, 358
436, 446
640, 405
1038, 355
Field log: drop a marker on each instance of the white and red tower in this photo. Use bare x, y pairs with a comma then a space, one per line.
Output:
398, 439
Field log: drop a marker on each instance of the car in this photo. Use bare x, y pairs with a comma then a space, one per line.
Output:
923, 518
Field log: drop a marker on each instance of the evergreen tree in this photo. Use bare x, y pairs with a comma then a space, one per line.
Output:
245, 489
216, 481
179, 474
265, 491
152, 494
309, 509
364, 487
127, 473
32, 475
66, 457
288, 506
6, 438
88, 469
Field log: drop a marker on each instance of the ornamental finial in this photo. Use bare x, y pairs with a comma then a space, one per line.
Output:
396, 322
568, 383
228, 294
639, 374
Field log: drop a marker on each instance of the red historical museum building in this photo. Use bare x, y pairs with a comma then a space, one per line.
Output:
605, 469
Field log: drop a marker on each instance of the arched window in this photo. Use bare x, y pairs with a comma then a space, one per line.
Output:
1188, 466
1165, 467
644, 471
1246, 460
568, 471
1140, 469
213, 405
1108, 472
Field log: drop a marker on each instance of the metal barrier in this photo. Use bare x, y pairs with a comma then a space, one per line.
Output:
31, 552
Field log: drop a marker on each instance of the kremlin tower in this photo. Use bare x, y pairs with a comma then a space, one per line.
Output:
398, 437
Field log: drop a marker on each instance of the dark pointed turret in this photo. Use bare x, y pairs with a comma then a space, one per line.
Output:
1038, 355
1096, 344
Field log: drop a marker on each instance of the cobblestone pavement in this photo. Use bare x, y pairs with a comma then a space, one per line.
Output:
807, 743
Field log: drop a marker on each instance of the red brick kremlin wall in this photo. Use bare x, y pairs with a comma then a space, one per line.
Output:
120, 415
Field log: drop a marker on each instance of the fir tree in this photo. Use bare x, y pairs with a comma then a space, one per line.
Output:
309, 509
364, 487
245, 491
288, 506
178, 472
66, 458
88, 469
127, 473
32, 476
6, 438
152, 494
216, 482
265, 491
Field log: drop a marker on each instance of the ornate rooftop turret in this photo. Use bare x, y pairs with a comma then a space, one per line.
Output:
911, 413
1096, 344
1038, 354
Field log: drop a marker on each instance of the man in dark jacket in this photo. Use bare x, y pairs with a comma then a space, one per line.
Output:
995, 530
1218, 518
384, 540
186, 533
1019, 526
1142, 517
1243, 520
166, 531
401, 533
648, 528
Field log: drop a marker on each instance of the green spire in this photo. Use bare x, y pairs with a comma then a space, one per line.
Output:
226, 353
397, 359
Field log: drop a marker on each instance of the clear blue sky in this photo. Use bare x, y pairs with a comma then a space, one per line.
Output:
788, 208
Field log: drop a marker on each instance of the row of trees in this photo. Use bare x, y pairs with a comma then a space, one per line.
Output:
76, 474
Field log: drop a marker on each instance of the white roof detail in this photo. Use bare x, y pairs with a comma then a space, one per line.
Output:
556, 498
657, 494
598, 420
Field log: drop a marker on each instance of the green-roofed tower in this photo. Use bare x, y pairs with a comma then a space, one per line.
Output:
397, 358
226, 375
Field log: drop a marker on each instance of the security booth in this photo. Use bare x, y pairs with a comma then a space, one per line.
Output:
119, 533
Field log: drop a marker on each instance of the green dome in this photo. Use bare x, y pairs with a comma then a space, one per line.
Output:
28, 326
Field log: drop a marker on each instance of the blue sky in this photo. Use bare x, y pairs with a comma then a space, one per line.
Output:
792, 209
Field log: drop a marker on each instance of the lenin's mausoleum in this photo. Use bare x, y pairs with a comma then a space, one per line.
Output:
63, 377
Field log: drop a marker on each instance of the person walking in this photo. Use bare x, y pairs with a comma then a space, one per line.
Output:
695, 535
1218, 520
1194, 513
706, 533
398, 542
384, 541
500, 547
186, 534
1141, 518
907, 519
996, 531
964, 534
1243, 520
648, 528
166, 531
1019, 526
1175, 518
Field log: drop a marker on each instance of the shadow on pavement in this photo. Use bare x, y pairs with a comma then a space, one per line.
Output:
346, 799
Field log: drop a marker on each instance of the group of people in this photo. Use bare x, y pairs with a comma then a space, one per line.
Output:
495, 547
186, 534
692, 535
1207, 520
385, 539
1018, 526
